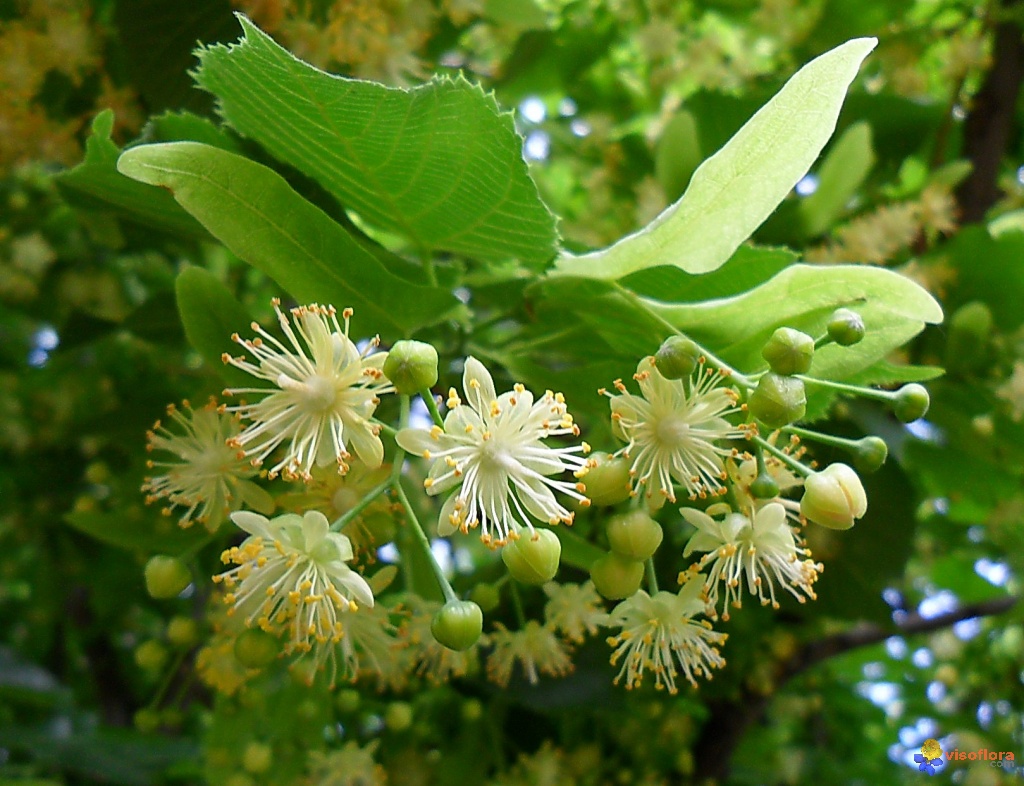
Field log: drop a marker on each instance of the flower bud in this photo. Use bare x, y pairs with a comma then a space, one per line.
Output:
255, 648
533, 559
458, 624
834, 497
486, 596
911, 402
677, 357
616, 577
845, 327
608, 482
778, 401
166, 577
969, 330
151, 655
348, 701
182, 632
147, 721
257, 757
411, 366
763, 487
789, 351
871, 454
634, 535
398, 716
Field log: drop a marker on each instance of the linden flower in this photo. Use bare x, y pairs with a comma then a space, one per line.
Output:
490, 447
661, 634
207, 478
574, 610
763, 551
291, 579
673, 430
537, 649
324, 393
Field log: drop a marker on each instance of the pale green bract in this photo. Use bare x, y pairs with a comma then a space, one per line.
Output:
733, 192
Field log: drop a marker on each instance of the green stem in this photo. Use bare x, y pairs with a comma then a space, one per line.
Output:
385, 428
652, 579
740, 379
784, 457
338, 524
762, 468
435, 413
856, 390
517, 604
166, 682
824, 439
822, 341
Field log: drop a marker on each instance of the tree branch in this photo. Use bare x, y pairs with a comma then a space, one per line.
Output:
729, 720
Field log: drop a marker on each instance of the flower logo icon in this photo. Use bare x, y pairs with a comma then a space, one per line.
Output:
930, 757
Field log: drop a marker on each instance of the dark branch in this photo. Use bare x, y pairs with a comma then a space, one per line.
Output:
729, 720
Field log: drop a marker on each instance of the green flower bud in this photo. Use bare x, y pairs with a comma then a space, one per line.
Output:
616, 577
911, 402
257, 757
834, 497
472, 710
871, 454
778, 401
677, 357
348, 701
458, 624
764, 487
845, 327
398, 716
151, 655
147, 721
411, 366
182, 632
634, 535
533, 559
607, 481
255, 648
166, 577
789, 351
486, 596
969, 328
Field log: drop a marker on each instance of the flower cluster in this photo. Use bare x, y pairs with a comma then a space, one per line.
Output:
491, 453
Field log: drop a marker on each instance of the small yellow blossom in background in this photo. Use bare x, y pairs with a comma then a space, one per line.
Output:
573, 610
207, 479
218, 667
535, 647
350, 765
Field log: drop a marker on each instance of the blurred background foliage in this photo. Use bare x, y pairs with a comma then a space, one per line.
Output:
915, 634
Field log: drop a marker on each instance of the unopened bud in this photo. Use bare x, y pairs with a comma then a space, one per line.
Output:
398, 716
778, 401
634, 535
257, 757
151, 655
458, 624
533, 559
970, 328
166, 577
608, 483
616, 577
789, 351
871, 454
845, 327
677, 357
182, 632
764, 487
255, 648
834, 497
411, 366
486, 596
911, 402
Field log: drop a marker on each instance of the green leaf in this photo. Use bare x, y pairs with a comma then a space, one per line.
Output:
843, 171
188, 127
735, 190
136, 529
678, 153
257, 215
96, 184
576, 551
439, 164
210, 314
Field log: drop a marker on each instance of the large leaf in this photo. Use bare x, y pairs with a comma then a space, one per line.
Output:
96, 184
257, 215
894, 309
735, 190
842, 172
210, 314
439, 164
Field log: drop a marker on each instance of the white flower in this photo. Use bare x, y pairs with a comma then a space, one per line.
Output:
490, 449
662, 634
574, 610
673, 431
535, 646
762, 551
207, 479
324, 392
291, 579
